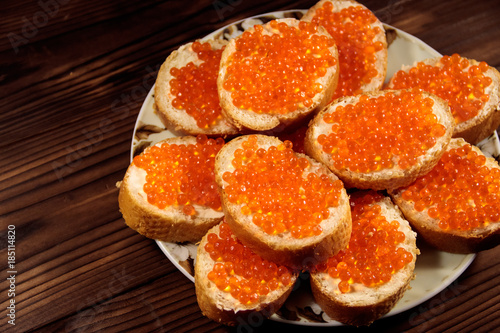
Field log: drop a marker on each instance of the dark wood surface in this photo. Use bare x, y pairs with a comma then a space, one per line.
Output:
73, 76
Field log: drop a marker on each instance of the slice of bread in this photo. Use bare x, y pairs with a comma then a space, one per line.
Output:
362, 304
352, 46
246, 119
176, 119
281, 247
170, 224
222, 306
452, 240
389, 177
486, 121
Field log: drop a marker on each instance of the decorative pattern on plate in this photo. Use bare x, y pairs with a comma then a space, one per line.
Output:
435, 270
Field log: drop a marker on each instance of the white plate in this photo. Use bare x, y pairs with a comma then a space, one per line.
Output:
435, 270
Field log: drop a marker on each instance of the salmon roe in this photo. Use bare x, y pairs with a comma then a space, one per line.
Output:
195, 87
241, 272
181, 175
279, 190
381, 132
277, 73
461, 192
354, 35
454, 79
374, 251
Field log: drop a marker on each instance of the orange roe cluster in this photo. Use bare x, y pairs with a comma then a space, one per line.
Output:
454, 79
374, 251
181, 175
276, 187
461, 192
195, 87
381, 132
354, 35
277, 73
241, 272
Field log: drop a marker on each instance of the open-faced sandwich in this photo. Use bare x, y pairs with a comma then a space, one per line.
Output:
471, 88
285, 206
233, 283
277, 74
381, 140
456, 206
364, 282
186, 96
169, 191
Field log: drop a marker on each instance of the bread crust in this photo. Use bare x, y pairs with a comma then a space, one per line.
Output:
385, 178
249, 121
381, 56
454, 241
282, 248
363, 305
487, 120
169, 224
173, 118
222, 307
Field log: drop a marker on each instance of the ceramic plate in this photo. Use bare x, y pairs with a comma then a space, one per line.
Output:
435, 270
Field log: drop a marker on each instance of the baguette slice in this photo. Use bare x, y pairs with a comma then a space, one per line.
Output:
282, 248
453, 240
386, 177
245, 118
347, 36
487, 119
170, 224
222, 306
176, 119
362, 304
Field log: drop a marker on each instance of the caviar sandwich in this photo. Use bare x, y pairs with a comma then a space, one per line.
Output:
186, 98
364, 281
283, 205
232, 282
471, 88
381, 140
361, 42
456, 206
277, 74
169, 191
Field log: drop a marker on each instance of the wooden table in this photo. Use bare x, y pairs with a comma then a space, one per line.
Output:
73, 76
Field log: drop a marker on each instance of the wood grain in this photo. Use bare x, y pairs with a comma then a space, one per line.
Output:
69, 98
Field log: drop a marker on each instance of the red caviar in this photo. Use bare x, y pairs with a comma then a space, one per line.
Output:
374, 253
461, 192
454, 79
279, 190
241, 272
353, 31
195, 87
381, 132
277, 73
181, 174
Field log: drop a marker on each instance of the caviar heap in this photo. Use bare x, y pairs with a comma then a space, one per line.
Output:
239, 271
276, 73
374, 251
355, 37
454, 79
181, 175
195, 87
279, 190
461, 192
382, 132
